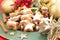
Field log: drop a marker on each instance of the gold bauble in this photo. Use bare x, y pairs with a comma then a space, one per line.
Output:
6, 6
55, 8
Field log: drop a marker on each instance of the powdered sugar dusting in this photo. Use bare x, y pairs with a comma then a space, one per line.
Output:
29, 26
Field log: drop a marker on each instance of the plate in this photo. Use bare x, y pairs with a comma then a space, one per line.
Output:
30, 35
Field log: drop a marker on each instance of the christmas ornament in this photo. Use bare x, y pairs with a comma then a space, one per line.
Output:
55, 8
7, 6
58, 38
22, 3
0, 3
52, 29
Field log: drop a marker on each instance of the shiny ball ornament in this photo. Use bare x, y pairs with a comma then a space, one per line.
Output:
7, 6
55, 8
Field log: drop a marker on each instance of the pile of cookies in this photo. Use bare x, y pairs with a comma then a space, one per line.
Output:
25, 20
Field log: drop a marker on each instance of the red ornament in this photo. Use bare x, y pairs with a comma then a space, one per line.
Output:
2, 38
58, 38
22, 3
0, 3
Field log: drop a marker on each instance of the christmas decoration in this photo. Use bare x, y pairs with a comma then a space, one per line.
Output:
7, 6
1, 1
52, 29
23, 36
0, 4
58, 38
22, 3
54, 7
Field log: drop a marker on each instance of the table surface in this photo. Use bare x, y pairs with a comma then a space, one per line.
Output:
30, 35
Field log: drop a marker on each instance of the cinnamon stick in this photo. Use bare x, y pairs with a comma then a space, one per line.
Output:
4, 17
3, 27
